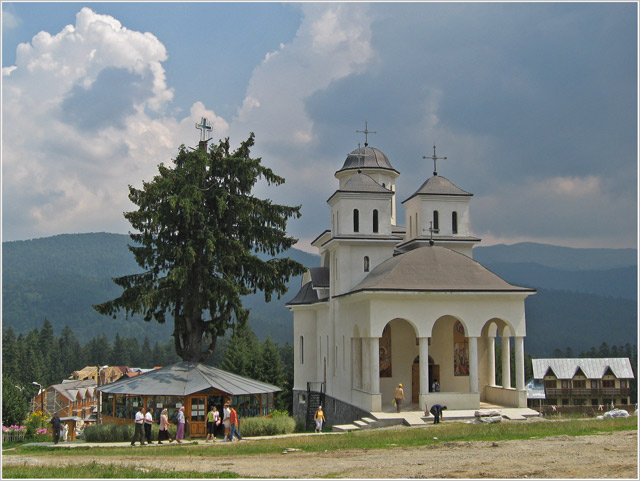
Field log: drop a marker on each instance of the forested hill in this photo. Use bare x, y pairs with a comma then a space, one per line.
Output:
585, 296
60, 278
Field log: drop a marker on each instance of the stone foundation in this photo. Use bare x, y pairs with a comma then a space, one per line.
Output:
336, 411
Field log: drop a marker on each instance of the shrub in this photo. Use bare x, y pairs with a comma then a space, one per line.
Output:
276, 424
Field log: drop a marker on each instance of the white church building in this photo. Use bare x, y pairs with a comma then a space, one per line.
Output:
393, 304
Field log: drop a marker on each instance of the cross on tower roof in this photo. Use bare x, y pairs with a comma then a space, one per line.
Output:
203, 126
434, 157
366, 133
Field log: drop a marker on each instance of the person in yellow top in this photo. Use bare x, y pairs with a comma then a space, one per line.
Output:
319, 417
399, 397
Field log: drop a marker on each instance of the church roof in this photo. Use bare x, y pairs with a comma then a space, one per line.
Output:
438, 185
593, 368
361, 183
184, 378
434, 268
367, 158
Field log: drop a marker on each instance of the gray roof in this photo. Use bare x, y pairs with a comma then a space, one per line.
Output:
593, 368
438, 185
308, 293
362, 183
70, 388
367, 158
184, 378
319, 277
434, 268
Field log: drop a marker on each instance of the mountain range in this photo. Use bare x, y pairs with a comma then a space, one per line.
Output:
585, 296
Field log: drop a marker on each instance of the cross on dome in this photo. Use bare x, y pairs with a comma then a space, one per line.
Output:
434, 157
203, 126
366, 133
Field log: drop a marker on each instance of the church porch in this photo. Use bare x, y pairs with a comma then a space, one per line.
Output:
413, 415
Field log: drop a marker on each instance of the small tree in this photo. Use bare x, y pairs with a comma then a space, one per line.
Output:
14, 404
199, 233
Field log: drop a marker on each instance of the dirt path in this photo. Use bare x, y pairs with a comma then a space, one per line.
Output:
599, 456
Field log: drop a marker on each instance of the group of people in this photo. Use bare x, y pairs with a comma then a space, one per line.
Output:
230, 421
144, 420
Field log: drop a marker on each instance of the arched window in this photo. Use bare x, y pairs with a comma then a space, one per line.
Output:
454, 222
410, 226
375, 220
301, 349
366, 263
436, 223
356, 220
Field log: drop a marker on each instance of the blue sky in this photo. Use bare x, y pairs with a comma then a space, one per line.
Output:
534, 104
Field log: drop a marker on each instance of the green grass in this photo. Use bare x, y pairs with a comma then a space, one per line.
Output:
365, 439
95, 470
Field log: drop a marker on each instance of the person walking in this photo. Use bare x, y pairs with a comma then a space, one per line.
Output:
235, 424
226, 421
148, 422
139, 426
56, 424
211, 424
163, 427
319, 419
436, 410
399, 397
181, 421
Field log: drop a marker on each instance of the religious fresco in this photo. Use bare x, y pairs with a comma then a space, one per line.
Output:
385, 352
460, 351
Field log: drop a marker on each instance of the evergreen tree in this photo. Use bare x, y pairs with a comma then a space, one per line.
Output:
271, 363
200, 230
71, 351
97, 352
119, 355
14, 405
243, 353
604, 350
286, 397
46, 338
144, 357
10, 352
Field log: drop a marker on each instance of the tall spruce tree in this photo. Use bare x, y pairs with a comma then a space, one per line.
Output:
199, 232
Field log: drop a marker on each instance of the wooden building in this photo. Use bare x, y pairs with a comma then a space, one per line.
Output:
584, 382
195, 386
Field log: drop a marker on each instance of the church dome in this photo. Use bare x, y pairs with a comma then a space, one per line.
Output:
434, 268
367, 158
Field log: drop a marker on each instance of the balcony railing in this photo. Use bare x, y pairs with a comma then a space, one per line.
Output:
586, 392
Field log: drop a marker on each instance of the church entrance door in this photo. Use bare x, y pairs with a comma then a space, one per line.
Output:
434, 375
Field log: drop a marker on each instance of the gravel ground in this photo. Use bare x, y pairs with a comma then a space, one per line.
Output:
609, 455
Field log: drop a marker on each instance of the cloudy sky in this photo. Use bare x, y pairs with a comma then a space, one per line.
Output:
534, 104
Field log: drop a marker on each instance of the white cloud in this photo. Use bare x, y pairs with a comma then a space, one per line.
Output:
9, 18
76, 127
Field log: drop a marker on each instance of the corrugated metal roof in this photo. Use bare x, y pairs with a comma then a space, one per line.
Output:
593, 368
434, 268
184, 378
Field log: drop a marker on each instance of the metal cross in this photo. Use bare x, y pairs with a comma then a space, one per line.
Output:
434, 157
203, 126
360, 157
431, 230
366, 133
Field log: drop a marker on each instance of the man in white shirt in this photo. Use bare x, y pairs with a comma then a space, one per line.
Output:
139, 424
148, 421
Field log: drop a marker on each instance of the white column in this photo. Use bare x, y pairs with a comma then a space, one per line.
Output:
491, 358
366, 365
506, 362
423, 350
473, 364
374, 363
519, 367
